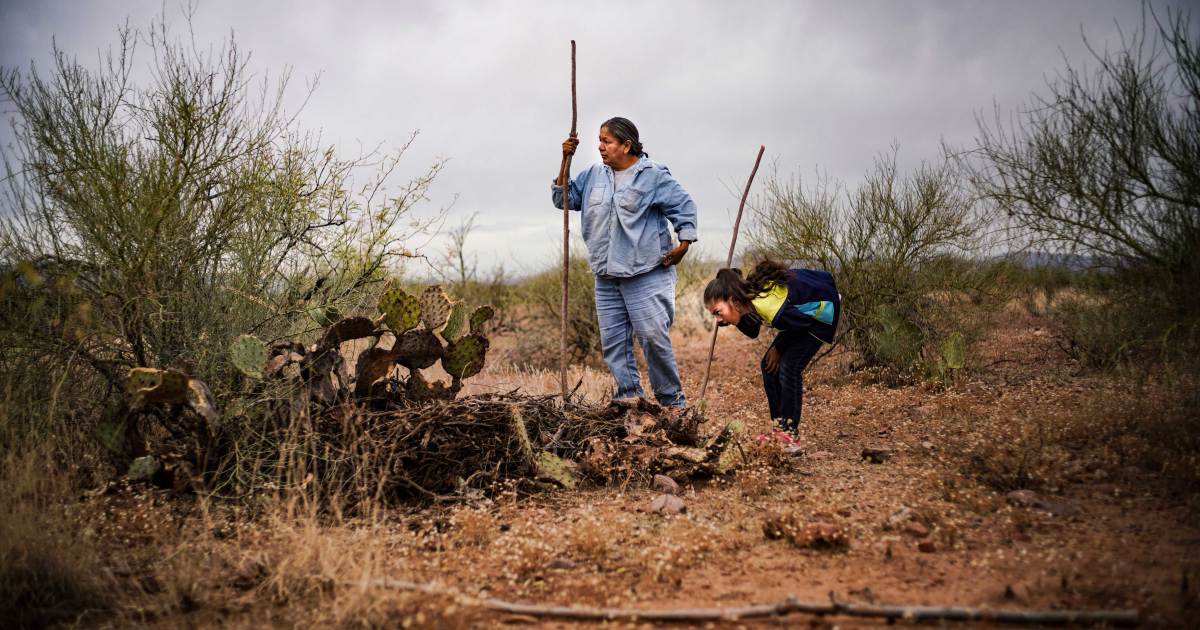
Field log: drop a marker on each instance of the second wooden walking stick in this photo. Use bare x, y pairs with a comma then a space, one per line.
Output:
564, 180
712, 347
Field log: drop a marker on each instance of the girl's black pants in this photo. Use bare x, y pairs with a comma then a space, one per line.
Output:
785, 388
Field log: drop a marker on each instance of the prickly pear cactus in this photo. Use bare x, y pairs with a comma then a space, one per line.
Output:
954, 351
464, 356
481, 316
249, 355
435, 307
417, 349
153, 385
456, 321
401, 311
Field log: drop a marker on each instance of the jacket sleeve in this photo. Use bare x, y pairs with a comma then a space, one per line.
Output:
749, 325
677, 205
576, 187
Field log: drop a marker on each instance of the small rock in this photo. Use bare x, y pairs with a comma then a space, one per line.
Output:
876, 455
927, 445
143, 468
665, 484
1022, 498
1056, 508
926, 546
898, 518
667, 504
561, 563
1020, 592
916, 529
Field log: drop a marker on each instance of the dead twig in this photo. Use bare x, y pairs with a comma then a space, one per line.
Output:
1123, 618
712, 347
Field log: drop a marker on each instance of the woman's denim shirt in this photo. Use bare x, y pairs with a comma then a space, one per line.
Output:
627, 234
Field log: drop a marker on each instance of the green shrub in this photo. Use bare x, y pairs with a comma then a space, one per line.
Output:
903, 251
151, 224
540, 298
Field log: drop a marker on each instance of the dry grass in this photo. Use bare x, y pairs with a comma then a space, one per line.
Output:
46, 574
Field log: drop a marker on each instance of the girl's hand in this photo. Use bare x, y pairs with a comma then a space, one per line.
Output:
771, 361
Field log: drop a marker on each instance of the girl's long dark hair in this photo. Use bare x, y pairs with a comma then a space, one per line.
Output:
729, 285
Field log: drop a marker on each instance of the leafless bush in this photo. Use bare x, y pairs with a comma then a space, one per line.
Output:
1106, 166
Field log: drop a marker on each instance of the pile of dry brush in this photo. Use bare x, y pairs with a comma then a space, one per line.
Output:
378, 431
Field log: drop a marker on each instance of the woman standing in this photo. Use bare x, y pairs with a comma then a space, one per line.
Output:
629, 205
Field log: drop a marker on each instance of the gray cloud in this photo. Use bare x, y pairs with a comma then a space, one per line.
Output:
821, 84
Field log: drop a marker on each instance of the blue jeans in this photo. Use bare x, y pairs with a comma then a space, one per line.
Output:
643, 305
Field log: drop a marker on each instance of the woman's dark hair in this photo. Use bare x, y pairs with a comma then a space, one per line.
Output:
624, 131
729, 285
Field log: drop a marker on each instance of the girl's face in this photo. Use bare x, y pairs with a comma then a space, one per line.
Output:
728, 313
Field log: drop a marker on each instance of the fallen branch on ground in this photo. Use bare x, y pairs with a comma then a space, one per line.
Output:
1123, 618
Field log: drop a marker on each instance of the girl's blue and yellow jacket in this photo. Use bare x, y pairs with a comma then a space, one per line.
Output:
808, 305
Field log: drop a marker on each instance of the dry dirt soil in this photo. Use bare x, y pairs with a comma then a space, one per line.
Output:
935, 523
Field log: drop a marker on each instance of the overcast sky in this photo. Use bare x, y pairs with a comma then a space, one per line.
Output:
824, 85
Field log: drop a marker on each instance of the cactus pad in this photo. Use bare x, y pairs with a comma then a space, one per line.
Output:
346, 330
373, 364
401, 311
464, 356
435, 307
417, 349
152, 385
954, 351
481, 316
454, 323
249, 355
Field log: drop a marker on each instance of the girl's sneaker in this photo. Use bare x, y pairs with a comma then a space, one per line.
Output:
788, 444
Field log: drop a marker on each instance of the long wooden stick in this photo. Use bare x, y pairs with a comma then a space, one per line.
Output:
564, 180
790, 605
737, 223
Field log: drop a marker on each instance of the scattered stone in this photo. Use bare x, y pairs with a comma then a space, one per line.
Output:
916, 529
927, 445
1056, 508
814, 533
143, 468
876, 455
667, 504
1019, 592
926, 546
665, 484
1029, 499
561, 563
1022, 498
898, 518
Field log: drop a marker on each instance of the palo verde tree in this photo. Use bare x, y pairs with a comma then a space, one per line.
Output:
1106, 164
148, 223
901, 247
